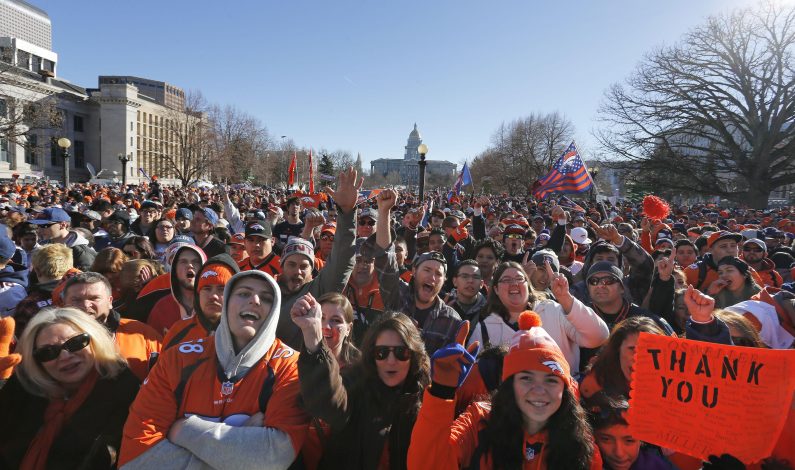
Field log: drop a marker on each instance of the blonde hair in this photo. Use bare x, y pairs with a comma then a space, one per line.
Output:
107, 360
52, 261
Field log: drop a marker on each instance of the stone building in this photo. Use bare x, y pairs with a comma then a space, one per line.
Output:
408, 166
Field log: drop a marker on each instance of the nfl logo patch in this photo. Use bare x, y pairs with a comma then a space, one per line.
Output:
226, 388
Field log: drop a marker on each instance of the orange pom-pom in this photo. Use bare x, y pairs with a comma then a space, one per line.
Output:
529, 319
655, 207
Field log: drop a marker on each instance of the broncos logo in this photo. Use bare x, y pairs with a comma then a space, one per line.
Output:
554, 366
209, 273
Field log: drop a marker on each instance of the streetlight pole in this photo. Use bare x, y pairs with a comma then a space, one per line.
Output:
65, 143
422, 149
124, 159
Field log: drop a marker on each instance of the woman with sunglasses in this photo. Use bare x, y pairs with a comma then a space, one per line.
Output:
66, 403
163, 233
370, 406
139, 247
570, 323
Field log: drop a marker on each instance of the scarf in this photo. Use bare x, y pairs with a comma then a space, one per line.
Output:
58, 412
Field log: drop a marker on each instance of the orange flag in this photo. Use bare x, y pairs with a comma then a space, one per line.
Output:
291, 172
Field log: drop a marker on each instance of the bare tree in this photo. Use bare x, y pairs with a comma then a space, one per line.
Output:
240, 145
194, 149
27, 115
522, 151
714, 114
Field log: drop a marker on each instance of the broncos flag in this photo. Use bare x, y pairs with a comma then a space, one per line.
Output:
568, 175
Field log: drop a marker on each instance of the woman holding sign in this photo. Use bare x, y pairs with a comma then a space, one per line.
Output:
533, 421
612, 370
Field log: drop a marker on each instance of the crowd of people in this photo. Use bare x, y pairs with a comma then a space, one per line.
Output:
239, 327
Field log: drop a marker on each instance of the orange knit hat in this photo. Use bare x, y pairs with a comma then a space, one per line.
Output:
533, 349
214, 275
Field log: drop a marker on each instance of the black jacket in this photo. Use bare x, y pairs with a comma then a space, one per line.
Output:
84, 440
364, 415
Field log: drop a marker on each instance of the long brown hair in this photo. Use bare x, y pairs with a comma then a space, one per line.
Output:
607, 366
570, 436
494, 304
419, 371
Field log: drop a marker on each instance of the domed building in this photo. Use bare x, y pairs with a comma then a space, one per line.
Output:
408, 166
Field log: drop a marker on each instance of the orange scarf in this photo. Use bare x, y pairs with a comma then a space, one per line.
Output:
58, 412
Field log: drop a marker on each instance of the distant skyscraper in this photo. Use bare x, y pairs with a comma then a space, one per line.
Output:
22, 20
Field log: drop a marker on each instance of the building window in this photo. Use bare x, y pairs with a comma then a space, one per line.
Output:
30, 149
131, 125
80, 154
4, 150
131, 141
55, 157
78, 123
3, 108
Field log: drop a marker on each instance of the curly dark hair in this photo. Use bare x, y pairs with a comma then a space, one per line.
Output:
491, 244
570, 436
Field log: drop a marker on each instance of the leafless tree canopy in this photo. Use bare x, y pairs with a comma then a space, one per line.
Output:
190, 158
521, 152
714, 113
240, 146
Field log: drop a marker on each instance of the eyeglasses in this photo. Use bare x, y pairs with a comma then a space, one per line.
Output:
48, 225
470, 277
328, 238
515, 236
511, 281
363, 222
401, 353
604, 281
52, 351
752, 249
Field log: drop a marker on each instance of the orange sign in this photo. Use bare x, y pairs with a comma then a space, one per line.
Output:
705, 399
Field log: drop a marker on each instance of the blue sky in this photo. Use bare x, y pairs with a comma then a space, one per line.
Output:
355, 75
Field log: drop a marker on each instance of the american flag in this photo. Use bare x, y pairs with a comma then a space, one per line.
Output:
568, 175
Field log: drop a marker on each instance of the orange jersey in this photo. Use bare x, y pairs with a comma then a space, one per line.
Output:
186, 382
137, 342
439, 441
270, 265
185, 331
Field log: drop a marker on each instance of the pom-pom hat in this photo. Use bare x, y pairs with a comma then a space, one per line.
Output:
655, 208
533, 349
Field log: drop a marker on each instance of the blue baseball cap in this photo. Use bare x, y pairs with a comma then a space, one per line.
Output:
209, 214
51, 215
184, 213
7, 248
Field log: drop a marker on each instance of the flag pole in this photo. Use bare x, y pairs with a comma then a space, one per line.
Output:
600, 206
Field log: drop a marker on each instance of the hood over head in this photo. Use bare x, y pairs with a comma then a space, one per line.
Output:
237, 364
222, 259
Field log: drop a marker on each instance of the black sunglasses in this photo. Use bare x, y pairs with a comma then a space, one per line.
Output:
52, 351
367, 222
401, 353
605, 281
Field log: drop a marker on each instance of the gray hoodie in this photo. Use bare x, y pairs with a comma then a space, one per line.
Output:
204, 444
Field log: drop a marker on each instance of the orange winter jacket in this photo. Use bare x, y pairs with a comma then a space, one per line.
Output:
186, 382
438, 441
137, 343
